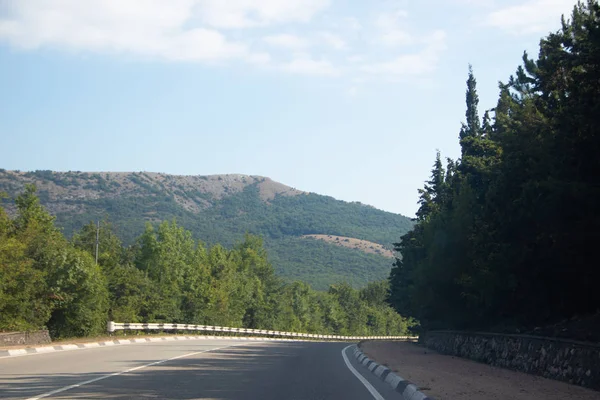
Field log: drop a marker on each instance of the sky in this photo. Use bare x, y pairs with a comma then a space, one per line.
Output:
346, 98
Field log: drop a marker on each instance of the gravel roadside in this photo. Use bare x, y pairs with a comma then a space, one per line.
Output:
452, 378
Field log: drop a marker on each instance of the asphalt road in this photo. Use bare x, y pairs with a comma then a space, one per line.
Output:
194, 369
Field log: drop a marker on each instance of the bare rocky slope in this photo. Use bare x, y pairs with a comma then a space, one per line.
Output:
296, 225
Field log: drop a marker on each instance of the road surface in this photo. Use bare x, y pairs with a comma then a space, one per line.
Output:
194, 369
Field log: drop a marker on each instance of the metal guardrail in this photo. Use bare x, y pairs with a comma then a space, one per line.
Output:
117, 326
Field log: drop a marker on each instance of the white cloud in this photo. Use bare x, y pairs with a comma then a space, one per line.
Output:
293, 42
305, 65
263, 59
153, 28
351, 23
176, 30
249, 13
333, 40
198, 45
391, 31
471, 3
396, 37
413, 64
204, 31
355, 58
352, 91
286, 41
532, 17
403, 65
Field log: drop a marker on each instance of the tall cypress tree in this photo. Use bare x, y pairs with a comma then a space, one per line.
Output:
472, 128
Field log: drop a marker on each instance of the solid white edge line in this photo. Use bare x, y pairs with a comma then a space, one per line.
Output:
50, 349
64, 389
361, 378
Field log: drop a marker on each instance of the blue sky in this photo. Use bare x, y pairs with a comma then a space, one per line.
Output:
345, 98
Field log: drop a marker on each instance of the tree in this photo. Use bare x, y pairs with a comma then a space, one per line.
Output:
166, 276
81, 294
472, 129
23, 302
110, 248
45, 281
509, 246
432, 197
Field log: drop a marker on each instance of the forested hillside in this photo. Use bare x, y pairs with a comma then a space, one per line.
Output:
222, 209
166, 275
506, 235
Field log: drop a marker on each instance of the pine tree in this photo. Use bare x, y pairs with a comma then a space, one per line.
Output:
472, 128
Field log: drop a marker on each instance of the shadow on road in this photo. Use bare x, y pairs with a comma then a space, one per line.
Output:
242, 372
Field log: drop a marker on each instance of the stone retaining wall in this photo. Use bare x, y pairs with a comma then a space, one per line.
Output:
24, 338
569, 361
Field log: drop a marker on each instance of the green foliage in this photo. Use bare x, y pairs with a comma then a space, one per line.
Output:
21, 286
280, 221
505, 240
45, 281
165, 276
317, 263
81, 292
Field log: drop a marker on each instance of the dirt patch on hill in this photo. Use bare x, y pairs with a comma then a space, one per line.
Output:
353, 243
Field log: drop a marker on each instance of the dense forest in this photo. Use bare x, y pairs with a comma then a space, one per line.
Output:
166, 275
506, 234
129, 200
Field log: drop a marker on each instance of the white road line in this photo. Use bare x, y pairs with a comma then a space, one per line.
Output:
52, 350
361, 378
63, 389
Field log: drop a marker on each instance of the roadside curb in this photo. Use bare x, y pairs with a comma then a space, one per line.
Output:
118, 342
408, 390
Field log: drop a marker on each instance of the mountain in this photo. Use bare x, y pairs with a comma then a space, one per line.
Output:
296, 225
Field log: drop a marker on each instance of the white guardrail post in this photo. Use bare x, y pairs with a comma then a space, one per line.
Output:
112, 327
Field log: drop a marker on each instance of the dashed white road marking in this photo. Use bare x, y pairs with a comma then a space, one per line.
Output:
361, 378
63, 389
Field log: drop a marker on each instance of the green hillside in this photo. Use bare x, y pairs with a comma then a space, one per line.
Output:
221, 209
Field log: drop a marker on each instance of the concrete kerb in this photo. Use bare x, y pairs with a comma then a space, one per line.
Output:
408, 390
117, 342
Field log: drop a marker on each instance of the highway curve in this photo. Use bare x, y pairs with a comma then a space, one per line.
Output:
194, 369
